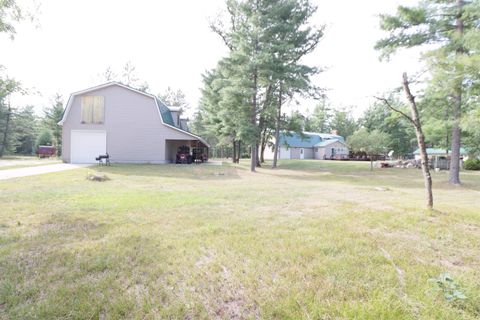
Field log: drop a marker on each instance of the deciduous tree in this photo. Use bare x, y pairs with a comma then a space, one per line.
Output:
415, 120
174, 98
373, 143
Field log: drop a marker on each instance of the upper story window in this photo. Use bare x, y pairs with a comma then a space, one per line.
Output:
93, 109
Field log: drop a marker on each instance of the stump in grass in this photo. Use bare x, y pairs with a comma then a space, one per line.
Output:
97, 177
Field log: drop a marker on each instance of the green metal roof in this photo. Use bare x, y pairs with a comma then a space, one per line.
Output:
165, 112
327, 142
329, 136
438, 151
307, 139
295, 140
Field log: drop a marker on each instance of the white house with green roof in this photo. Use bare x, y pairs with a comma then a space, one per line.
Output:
309, 145
437, 152
130, 125
439, 158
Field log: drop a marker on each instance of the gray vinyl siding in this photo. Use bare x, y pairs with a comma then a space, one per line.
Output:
295, 153
135, 132
326, 151
320, 153
308, 153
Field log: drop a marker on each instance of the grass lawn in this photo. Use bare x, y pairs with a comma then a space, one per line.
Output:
312, 240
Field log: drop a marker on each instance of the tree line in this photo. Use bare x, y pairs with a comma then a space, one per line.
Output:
242, 97
22, 130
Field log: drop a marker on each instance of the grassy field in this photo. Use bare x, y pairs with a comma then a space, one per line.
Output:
312, 240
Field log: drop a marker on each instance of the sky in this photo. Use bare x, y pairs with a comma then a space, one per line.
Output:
170, 45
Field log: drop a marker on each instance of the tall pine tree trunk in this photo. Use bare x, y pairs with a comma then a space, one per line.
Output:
261, 124
454, 172
263, 145
234, 156
253, 121
5, 133
239, 151
277, 128
258, 156
421, 142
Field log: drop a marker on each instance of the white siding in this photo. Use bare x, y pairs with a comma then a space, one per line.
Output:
285, 153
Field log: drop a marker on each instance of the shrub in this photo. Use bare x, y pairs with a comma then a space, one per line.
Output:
45, 138
472, 164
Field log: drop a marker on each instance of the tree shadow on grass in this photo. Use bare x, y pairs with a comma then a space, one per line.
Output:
392, 177
177, 171
366, 178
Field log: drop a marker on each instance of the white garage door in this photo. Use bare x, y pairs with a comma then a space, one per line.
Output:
87, 145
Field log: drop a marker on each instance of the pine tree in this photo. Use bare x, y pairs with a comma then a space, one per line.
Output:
267, 39
343, 122
24, 131
452, 27
380, 117
52, 116
7, 87
319, 121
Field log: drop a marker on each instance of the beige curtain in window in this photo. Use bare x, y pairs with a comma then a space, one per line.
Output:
87, 109
98, 109
93, 109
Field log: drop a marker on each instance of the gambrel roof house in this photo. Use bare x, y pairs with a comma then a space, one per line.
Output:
130, 125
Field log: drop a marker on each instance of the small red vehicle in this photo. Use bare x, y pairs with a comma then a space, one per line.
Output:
46, 151
183, 155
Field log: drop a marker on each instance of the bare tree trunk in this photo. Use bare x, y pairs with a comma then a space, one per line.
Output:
5, 133
421, 141
239, 151
447, 136
261, 125
259, 165
263, 145
277, 129
234, 156
415, 120
454, 172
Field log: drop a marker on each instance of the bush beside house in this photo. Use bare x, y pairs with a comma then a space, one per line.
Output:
472, 164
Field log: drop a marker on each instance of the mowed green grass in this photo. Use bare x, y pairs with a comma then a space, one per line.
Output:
311, 240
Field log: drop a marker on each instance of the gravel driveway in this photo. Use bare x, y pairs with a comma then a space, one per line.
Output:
31, 171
